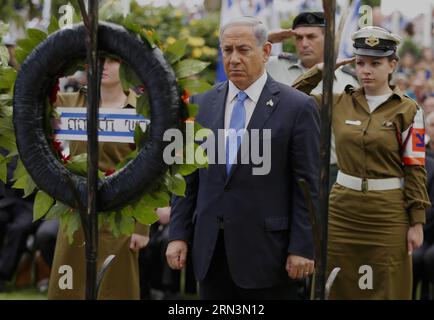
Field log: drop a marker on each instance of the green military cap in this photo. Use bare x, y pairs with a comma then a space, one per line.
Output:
309, 19
375, 41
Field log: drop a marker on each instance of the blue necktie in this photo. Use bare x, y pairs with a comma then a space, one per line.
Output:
238, 122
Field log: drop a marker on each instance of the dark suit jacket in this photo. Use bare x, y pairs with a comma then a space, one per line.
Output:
265, 216
429, 225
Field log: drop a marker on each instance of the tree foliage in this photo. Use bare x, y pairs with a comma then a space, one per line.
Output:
187, 70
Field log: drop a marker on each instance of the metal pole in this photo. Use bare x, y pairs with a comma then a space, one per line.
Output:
326, 116
345, 10
93, 99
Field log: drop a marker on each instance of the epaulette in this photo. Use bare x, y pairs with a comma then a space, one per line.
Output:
349, 89
349, 70
288, 56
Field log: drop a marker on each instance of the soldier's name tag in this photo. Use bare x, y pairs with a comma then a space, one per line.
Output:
353, 122
114, 125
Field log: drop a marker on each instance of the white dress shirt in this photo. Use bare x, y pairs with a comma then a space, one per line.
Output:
253, 92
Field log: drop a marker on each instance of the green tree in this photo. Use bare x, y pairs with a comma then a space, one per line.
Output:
171, 24
143, 209
372, 3
10, 10
20, 11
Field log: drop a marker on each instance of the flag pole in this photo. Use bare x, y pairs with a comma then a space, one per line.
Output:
90, 219
326, 116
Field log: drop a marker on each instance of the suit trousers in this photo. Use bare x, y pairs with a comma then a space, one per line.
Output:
218, 283
45, 239
17, 225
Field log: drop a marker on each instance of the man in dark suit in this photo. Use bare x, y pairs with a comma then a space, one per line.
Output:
423, 257
251, 231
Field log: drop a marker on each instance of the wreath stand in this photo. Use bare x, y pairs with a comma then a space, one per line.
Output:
90, 196
90, 218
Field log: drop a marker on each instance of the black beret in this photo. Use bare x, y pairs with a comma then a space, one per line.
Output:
309, 19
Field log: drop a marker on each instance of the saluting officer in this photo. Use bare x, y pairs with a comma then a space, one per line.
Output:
308, 29
377, 206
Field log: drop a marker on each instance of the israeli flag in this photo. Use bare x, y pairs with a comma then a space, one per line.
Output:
351, 26
263, 9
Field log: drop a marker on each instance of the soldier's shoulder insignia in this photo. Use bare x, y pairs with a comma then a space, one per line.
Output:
288, 56
349, 70
414, 141
349, 89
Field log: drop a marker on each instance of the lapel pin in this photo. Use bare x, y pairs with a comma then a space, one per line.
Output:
270, 103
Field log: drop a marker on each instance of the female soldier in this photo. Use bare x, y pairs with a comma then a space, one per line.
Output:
377, 206
121, 280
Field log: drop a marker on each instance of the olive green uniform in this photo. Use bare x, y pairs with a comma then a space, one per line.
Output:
286, 68
369, 228
121, 280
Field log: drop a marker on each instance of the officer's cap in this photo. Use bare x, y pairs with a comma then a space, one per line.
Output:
375, 41
309, 19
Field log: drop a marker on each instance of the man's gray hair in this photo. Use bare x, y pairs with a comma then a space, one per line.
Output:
259, 29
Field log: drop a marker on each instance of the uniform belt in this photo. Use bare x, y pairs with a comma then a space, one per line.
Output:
363, 184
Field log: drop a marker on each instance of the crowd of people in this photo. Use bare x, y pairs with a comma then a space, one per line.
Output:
415, 78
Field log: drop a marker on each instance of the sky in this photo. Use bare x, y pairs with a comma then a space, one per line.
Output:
409, 8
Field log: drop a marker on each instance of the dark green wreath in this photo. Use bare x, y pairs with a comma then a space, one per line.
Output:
35, 79
120, 220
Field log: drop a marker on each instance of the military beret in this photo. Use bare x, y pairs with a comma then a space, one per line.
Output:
375, 41
309, 19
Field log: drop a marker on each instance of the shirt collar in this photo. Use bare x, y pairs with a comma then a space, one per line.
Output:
298, 65
253, 92
396, 93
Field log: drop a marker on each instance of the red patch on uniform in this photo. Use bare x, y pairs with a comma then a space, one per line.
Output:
418, 139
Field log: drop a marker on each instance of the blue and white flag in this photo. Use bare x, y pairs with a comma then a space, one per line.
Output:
351, 26
263, 9
114, 124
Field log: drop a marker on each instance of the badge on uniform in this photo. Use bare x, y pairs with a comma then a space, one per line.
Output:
353, 122
418, 139
270, 103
